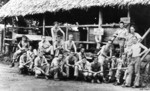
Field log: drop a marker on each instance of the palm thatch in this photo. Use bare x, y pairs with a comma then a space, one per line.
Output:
29, 7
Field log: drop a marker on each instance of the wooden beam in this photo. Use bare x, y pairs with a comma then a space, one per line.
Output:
44, 25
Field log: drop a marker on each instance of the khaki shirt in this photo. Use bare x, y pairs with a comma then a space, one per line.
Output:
39, 62
121, 33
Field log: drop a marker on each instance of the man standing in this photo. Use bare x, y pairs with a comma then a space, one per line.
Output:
121, 34
134, 65
96, 71
45, 46
41, 66
56, 30
99, 32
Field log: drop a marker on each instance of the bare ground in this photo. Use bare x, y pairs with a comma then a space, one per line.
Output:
11, 80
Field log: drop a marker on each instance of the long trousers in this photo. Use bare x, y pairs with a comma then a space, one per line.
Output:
133, 69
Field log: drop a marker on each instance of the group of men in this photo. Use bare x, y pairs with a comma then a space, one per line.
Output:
129, 60
67, 62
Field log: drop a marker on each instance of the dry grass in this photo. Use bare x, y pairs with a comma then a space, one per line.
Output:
25, 7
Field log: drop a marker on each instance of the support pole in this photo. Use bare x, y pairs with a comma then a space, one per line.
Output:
100, 20
67, 33
4, 32
87, 45
44, 25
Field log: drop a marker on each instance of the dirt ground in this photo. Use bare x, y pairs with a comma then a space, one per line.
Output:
11, 80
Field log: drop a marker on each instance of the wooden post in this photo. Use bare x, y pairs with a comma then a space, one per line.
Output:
67, 33
4, 32
44, 25
87, 45
100, 20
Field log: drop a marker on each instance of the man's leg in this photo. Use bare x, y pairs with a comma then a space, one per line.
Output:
15, 57
118, 72
67, 70
37, 72
130, 73
137, 72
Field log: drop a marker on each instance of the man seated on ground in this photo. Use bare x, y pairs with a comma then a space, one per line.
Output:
56, 69
121, 67
58, 46
70, 62
96, 71
30, 57
45, 46
24, 64
82, 68
103, 53
41, 66
81, 54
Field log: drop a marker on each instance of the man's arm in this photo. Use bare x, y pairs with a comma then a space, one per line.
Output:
66, 47
19, 45
74, 46
52, 32
62, 33
143, 47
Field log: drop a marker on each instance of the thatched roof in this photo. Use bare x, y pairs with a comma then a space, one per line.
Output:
29, 7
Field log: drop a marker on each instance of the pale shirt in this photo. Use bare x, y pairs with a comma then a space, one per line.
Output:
130, 38
136, 49
55, 63
83, 66
121, 33
30, 55
23, 60
98, 34
39, 62
45, 45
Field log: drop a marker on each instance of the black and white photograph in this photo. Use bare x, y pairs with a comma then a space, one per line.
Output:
74, 45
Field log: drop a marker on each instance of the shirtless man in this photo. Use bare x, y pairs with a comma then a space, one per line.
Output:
121, 34
134, 65
23, 47
103, 53
70, 45
45, 46
55, 30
